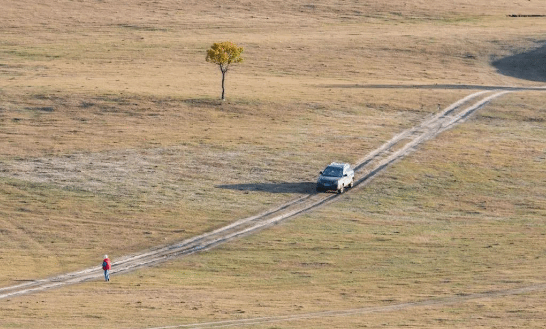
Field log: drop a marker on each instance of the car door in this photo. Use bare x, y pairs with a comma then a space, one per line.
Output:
346, 178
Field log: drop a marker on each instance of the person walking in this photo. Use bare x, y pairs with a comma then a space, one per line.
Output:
106, 266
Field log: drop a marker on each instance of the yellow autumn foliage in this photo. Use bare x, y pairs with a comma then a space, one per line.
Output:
224, 54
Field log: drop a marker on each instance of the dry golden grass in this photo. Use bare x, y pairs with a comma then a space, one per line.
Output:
113, 141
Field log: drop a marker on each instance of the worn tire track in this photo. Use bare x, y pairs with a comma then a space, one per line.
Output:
441, 301
365, 169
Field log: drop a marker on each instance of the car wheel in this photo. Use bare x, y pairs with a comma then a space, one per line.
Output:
341, 189
352, 183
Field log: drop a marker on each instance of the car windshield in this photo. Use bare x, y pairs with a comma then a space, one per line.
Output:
333, 172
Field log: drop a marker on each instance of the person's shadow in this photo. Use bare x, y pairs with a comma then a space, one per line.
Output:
301, 188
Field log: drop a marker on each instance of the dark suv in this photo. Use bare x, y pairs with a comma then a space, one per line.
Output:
336, 177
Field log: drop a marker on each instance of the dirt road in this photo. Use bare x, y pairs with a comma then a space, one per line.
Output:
360, 311
365, 169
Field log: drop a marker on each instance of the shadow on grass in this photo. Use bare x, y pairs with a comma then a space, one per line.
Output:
302, 188
204, 102
530, 65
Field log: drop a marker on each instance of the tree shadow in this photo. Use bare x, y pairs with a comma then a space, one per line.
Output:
530, 65
301, 188
203, 102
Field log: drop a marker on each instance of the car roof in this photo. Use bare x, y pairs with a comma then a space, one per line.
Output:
337, 164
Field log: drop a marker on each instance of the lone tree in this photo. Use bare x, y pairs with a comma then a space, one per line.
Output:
224, 54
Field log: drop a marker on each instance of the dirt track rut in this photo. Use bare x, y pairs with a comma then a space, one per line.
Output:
238, 323
365, 169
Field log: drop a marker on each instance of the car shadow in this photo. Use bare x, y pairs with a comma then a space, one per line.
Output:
301, 188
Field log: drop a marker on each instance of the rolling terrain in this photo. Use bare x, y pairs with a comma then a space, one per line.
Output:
114, 141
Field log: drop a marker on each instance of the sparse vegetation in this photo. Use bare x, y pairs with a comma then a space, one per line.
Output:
112, 142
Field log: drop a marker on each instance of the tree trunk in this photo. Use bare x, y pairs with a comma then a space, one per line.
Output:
223, 85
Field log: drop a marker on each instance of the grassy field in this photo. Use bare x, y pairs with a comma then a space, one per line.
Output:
113, 140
